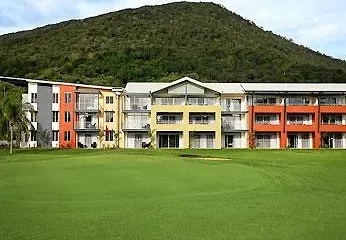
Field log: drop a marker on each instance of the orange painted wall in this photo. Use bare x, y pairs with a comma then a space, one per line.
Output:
316, 129
69, 126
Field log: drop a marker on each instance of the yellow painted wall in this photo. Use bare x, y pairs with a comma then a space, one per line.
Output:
112, 126
185, 127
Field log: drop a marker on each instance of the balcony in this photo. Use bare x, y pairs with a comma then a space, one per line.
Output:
86, 126
168, 118
233, 126
200, 101
137, 104
136, 127
83, 107
202, 118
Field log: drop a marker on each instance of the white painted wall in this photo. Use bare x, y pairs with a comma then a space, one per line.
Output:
56, 106
32, 88
55, 144
55, 126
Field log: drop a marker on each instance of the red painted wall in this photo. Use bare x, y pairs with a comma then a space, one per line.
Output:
68, 126
316, 129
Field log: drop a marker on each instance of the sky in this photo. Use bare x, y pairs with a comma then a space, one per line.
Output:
317, 24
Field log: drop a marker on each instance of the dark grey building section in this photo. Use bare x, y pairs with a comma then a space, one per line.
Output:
44, 116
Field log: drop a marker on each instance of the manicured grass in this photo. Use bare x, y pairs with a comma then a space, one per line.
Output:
155, 194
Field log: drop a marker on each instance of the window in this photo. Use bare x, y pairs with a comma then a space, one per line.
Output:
55, 136
169, 101
33, 116
109, 136
298, 101
331, 119
168, 118
263, 120
263, 140
297, 119
264, 101
67, 136
33, 135
33, 97
67, 117
210, 141
138, 103
109, 116
68, 97
109, 100
55, 116
328, 101
201, 118
55, 97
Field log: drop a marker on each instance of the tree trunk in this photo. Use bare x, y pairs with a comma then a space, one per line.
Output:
11, 138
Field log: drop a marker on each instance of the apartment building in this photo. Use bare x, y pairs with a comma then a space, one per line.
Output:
68, 115
187, 113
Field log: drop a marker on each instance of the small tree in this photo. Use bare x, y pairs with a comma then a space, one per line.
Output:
13, 118
152, 137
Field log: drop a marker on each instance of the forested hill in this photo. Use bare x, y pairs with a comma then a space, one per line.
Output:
161, 43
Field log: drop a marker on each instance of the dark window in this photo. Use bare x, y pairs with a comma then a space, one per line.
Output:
55, 136
67, 117
68, 97
55, 116
67, 136
33, 97
33, 116
33, 135
109, 116
109, 100
55, 97
109, 136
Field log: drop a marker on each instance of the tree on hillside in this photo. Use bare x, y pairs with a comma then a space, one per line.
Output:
14, 123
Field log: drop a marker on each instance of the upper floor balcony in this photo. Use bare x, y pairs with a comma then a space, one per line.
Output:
169, 118
333, 119
136, 122
86, 126
87, 102
202, 101
233, 123
299, 119
202, 118
138, 104
332, 101
266, 101
231, 105
268, 119
300, 101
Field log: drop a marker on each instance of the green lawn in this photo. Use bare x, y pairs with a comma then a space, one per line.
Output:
155, 194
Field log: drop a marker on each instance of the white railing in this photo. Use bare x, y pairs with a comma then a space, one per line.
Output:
86, 125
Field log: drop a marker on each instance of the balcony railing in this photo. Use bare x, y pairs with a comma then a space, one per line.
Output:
86, 125
267, 123
230, 108
332, 123
85, 107
136, 126
194, 121
168, 121
226, 126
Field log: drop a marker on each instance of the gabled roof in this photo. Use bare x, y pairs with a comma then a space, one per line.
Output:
187, 79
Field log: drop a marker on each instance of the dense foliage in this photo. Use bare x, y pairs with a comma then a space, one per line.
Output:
161, 43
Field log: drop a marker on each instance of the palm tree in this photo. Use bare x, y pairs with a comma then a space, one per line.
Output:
13, 118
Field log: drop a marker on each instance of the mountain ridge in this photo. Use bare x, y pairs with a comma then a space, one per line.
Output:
161, 43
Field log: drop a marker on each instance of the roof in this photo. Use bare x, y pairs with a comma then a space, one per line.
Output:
294, 87
55, 83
